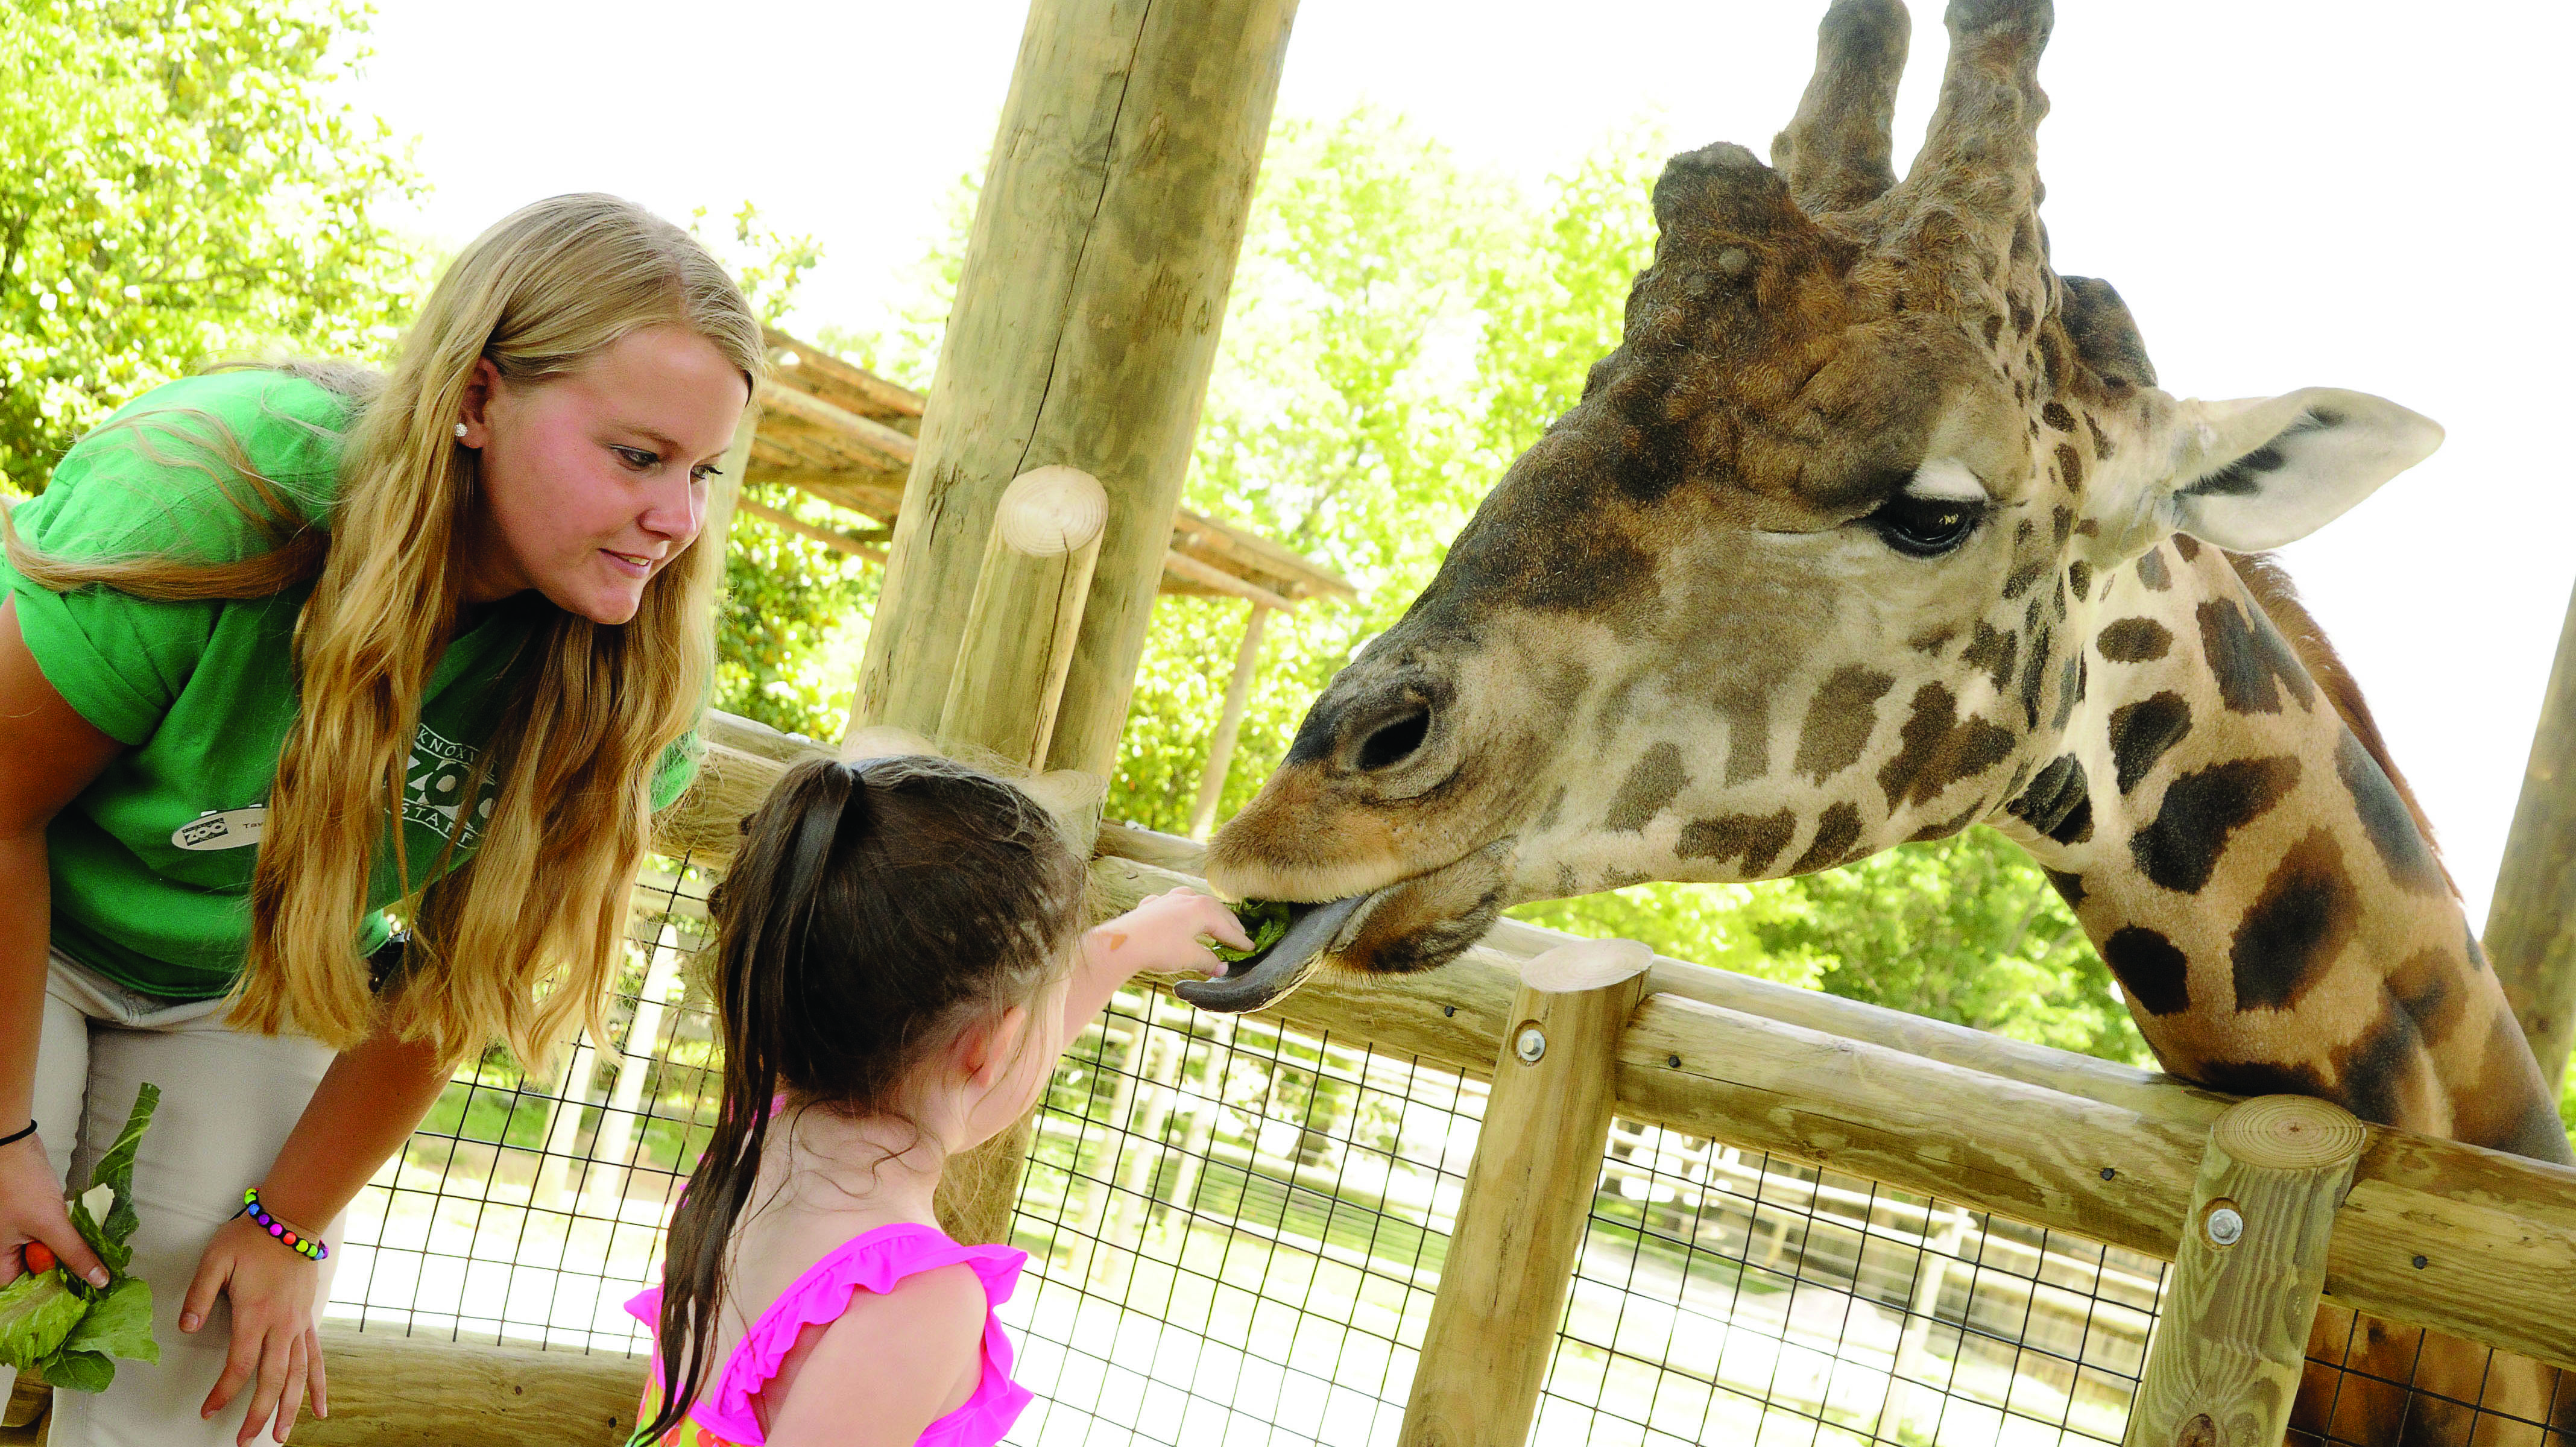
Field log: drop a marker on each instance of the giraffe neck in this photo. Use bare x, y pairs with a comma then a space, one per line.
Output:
2256, 882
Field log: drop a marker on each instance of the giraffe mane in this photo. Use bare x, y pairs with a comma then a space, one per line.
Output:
2270, 584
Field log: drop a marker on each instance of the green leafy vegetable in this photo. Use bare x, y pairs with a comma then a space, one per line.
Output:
65, 1330
37, 1314
1263, 919
118, 1324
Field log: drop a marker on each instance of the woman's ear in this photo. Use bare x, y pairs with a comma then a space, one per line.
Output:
481, 386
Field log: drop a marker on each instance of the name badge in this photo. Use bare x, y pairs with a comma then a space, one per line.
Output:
231, 829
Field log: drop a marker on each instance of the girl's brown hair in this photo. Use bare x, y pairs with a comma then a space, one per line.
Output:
874, 911
538, 295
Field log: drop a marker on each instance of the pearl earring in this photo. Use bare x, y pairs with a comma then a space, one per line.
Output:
460, 431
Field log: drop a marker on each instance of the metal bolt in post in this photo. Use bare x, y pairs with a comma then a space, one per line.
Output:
2226, 1226
1530, 1044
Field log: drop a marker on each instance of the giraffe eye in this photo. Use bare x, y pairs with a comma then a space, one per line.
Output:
1925, 527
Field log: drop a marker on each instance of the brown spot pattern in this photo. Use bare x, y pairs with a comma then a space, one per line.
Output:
2305, 916
1755, 839
2141, 732
1992, 650
2179, 849
2153, 973
2134, 640
1839, 721
1939, 748
1837, 829
1648, 789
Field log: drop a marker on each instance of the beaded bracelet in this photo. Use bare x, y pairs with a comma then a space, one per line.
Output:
297, 1241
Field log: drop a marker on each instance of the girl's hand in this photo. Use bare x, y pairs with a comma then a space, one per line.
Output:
1161, 936
273, 1292
32, 1212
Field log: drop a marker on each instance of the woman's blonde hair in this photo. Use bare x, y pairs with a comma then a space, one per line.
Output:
525, 935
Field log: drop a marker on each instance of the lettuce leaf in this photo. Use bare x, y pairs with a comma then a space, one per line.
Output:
118, 1324
68, 1331
81, 1371
37, 1313
1263, 919
115, 1170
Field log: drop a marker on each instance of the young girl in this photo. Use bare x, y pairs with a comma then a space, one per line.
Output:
900, 962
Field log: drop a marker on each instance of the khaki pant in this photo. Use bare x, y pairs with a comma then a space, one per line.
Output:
228, 1100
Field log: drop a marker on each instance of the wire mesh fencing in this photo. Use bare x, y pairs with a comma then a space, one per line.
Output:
1236, 1230
529, 1210
1726, 1296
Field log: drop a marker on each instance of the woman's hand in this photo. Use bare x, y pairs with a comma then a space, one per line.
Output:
32, 1210
274, 1293
1161, 936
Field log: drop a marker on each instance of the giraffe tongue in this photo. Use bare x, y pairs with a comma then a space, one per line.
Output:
1268, 977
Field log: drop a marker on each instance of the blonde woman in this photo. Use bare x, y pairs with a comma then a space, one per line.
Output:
283, 648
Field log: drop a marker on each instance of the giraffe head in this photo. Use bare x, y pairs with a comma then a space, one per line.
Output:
1810, 569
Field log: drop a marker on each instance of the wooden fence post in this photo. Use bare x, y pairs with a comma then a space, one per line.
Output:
1026, 612
1096, 275
2225, 1362
1504, 1282
2531, 922
1085, 327
1229, 724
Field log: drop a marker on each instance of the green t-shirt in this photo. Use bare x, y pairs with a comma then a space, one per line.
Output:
151, 863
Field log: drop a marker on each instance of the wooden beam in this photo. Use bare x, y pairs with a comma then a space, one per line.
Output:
1300, 576
399, 1391
2531, 924
1229, 724
1087, 313
1218, 580
870, 443
1529, 1189
879, 397
2231, 1342
837, 541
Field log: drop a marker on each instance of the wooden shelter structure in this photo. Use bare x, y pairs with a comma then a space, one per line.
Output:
846, 436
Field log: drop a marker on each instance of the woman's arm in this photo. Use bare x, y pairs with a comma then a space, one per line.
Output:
48, 754
361, 1113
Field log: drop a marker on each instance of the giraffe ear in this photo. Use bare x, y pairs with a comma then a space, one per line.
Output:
2261, 472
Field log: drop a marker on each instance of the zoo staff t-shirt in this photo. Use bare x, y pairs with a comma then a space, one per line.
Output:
151, 863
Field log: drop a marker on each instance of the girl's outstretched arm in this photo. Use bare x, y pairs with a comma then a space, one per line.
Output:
887, 1369
1159, 937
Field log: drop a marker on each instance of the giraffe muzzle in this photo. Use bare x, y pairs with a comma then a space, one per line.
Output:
1314, 931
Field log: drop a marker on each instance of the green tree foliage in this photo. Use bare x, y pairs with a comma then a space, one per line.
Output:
787, 597
176, 186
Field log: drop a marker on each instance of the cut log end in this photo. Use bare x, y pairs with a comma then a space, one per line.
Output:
1048, 512
1586, 965
2290, 1133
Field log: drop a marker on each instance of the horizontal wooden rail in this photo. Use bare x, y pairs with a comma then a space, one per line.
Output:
426, 1391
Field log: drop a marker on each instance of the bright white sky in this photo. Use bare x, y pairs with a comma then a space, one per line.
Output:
2356, 193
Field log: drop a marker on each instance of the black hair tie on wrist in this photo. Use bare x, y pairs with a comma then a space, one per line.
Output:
11, 1140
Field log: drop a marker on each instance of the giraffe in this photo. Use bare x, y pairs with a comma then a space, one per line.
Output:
1875, 527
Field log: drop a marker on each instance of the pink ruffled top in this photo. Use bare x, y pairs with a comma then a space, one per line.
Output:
870, 1261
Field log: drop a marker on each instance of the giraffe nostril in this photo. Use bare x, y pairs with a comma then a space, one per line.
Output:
1395, 742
